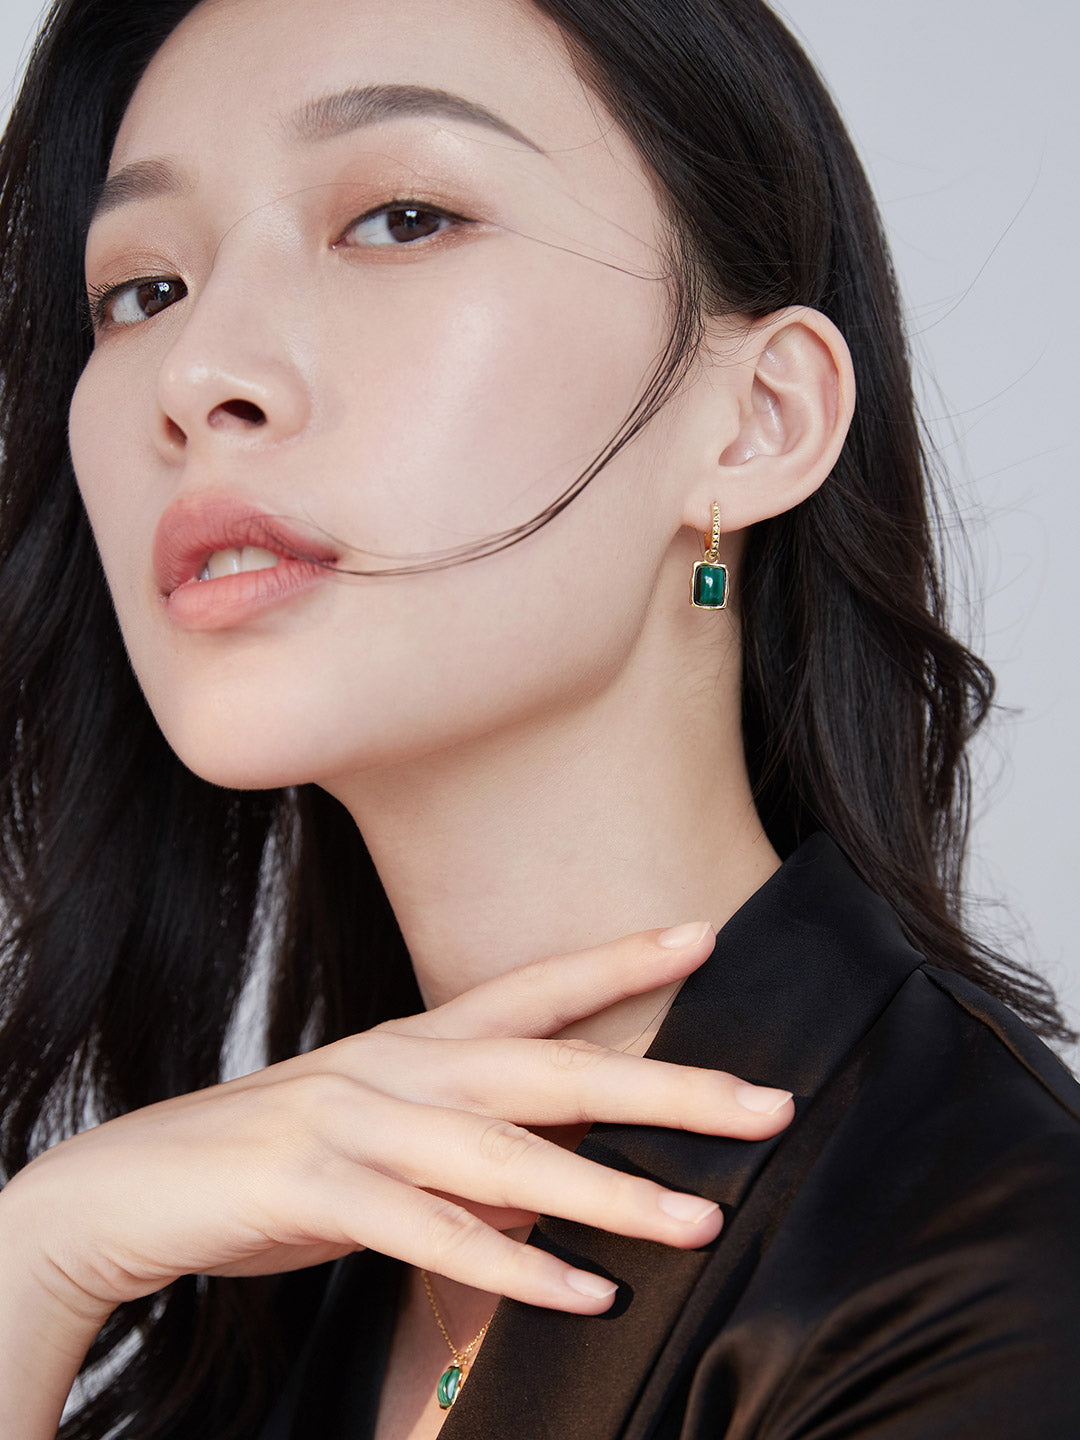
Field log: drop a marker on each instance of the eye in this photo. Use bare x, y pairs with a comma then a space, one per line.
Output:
400, 223
134, 301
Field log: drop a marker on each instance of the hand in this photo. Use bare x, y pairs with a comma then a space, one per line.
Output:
386, 1139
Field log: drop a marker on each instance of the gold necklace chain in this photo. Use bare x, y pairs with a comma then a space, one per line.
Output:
453, 1377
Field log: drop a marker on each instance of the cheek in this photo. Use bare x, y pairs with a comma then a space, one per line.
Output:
479, 389
123, 495
91, 429
111, 455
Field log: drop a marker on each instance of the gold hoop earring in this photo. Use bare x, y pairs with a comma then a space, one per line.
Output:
709, 582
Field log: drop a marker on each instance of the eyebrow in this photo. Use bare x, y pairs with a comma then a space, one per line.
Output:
141, 180
334, 115
324, 119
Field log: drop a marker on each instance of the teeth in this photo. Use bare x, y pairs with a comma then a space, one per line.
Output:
232, 562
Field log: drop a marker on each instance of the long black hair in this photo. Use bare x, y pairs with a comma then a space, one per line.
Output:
135, 897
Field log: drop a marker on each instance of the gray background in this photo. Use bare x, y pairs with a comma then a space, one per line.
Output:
966, 113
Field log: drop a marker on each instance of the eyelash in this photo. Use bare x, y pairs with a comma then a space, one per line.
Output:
100, 298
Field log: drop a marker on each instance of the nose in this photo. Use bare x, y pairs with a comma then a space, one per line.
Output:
232, 375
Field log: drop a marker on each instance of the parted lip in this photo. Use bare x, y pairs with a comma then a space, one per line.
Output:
194, 526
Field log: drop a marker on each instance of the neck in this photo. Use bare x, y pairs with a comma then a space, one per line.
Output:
627, 811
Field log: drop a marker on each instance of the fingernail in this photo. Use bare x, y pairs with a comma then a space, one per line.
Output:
681, 936
690, 1208
595, 1286
761, 1100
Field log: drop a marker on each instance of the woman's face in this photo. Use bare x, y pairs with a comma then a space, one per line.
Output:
388, 383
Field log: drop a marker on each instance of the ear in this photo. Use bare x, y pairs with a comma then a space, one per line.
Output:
791, 392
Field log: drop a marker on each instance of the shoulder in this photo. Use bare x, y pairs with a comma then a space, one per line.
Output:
919, 1264
968, 1074
1017, 1051
957, 1128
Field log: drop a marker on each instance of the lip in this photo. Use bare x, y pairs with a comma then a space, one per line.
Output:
189, 532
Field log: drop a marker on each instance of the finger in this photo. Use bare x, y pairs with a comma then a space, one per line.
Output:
357, 1207
500, 1164
546, 995
569, 1082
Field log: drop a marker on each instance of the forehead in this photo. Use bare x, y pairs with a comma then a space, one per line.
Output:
230, 73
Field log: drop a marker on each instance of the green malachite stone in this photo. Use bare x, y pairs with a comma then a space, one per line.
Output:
709, 586
448, 1386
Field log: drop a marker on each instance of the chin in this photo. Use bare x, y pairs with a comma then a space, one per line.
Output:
244, 751
238, 752
222, 766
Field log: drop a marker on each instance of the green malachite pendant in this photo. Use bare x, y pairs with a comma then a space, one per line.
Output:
709, 586
448, 1387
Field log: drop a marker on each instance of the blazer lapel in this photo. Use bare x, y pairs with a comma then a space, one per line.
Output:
797, 976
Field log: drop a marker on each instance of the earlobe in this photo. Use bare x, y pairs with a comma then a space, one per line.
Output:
796, 396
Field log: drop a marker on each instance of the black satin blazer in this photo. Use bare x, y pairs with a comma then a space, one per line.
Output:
902, 1263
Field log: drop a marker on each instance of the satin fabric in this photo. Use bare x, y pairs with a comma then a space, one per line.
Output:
903, 1262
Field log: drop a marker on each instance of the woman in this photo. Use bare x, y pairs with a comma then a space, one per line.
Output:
413, 354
